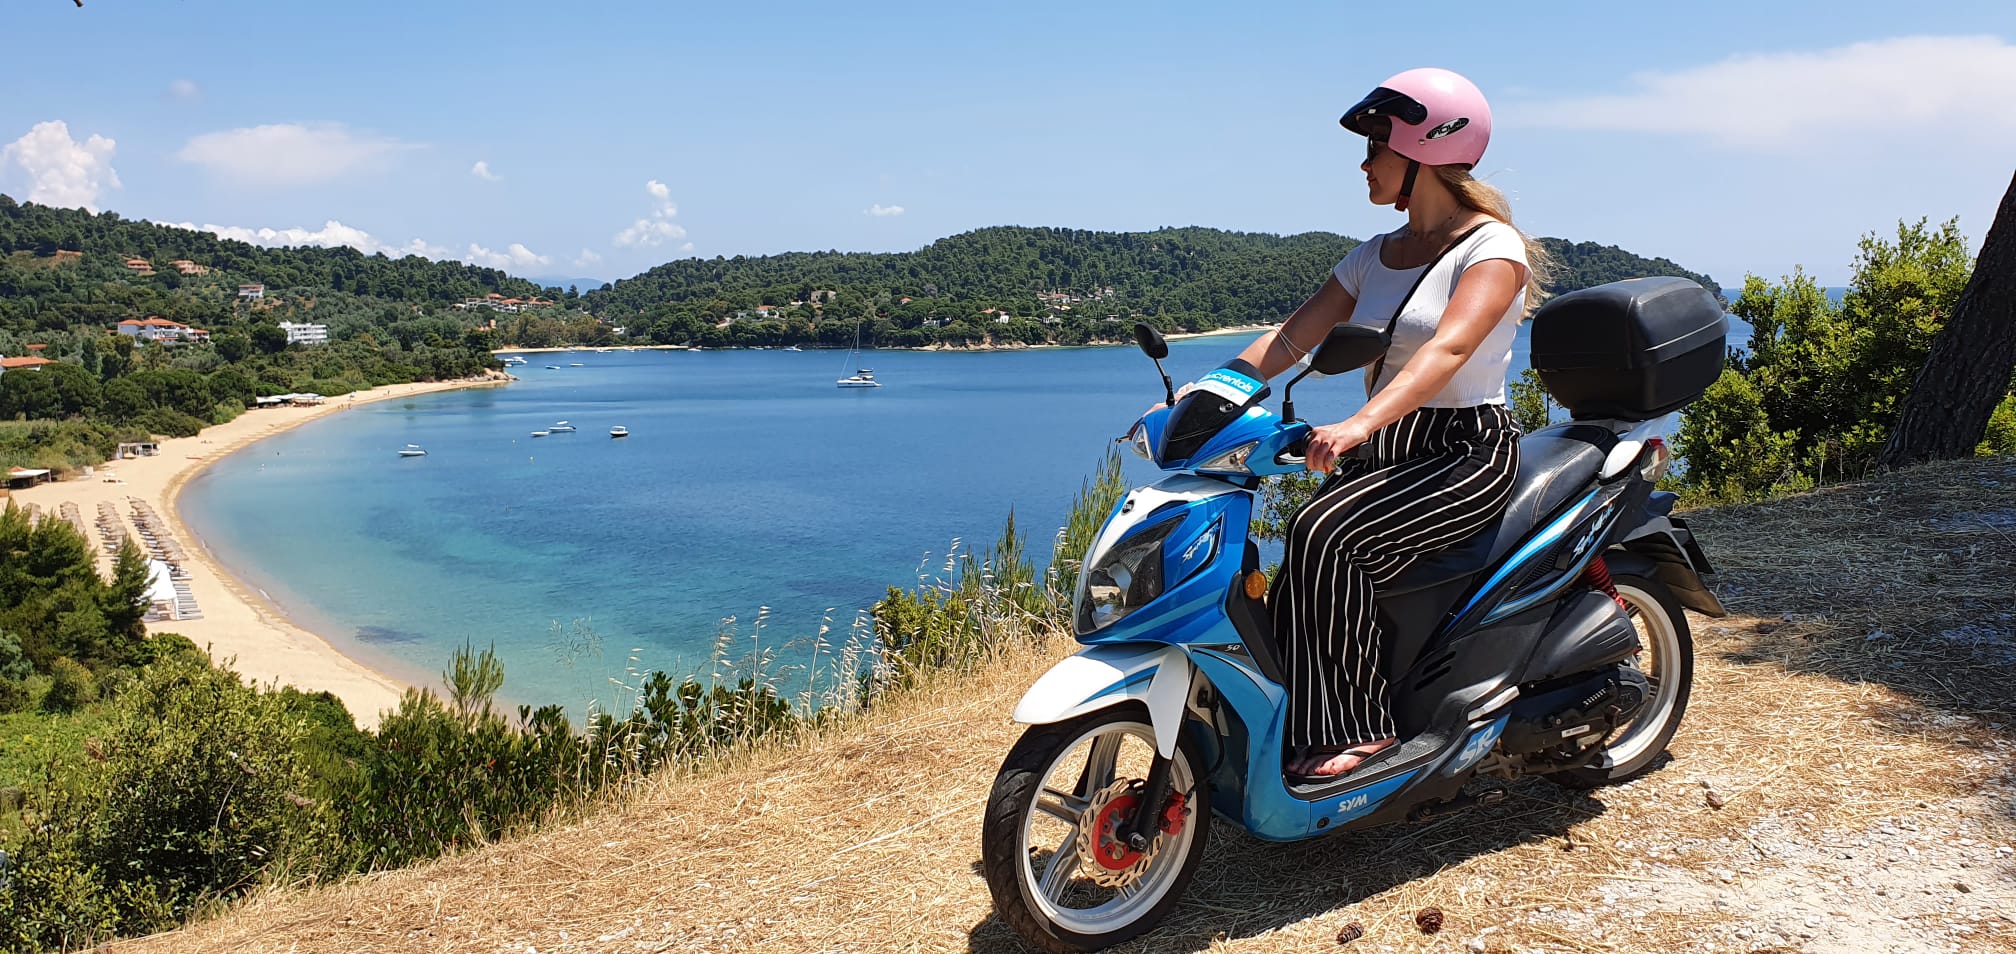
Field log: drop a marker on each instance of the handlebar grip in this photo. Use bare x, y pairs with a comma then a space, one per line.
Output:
1295, 454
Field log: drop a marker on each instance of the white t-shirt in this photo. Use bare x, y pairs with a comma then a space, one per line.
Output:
1379, 290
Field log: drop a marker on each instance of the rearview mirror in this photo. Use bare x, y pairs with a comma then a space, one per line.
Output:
1348, 348
1150, 340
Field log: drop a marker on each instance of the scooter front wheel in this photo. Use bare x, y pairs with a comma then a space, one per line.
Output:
1059, 875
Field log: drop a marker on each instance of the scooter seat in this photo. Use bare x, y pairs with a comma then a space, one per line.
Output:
1555, 463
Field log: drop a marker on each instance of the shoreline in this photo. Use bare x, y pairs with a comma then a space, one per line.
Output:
238, 622
1176, 336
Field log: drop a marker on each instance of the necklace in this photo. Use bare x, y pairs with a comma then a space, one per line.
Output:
1407, 230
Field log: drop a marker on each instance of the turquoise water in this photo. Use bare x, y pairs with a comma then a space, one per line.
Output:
749, 481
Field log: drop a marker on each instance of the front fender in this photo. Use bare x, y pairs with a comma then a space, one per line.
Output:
1156, 674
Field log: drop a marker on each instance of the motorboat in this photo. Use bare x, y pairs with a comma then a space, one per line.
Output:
561, 427
619, 431
552, 367
412, 450
794, 348
540, 433
574, 364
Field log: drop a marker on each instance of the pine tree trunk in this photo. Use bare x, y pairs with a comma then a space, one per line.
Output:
1967, 372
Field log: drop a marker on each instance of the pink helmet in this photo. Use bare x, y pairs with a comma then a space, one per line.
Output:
1439, 118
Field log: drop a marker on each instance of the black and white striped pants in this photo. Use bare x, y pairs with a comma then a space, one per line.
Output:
1433, 477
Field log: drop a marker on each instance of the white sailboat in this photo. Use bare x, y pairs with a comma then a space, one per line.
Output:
863, 378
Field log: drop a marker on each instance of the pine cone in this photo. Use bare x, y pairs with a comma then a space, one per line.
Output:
1351, 932
1429, 920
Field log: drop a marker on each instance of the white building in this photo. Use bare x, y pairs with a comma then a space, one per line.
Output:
299, 333
161, 330
251, 291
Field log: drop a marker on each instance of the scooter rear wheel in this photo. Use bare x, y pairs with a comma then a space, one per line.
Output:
1030, 836
1639, 746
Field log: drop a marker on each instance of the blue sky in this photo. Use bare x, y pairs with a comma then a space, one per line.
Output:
1731, 137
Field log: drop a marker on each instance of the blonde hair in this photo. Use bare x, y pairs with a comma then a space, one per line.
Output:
1478, 197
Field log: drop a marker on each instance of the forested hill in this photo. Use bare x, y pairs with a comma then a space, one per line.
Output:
110, 240
1192, 275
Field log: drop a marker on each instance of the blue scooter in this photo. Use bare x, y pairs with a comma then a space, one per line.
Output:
1551, 644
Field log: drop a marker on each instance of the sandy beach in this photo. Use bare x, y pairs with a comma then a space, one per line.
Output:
237, 623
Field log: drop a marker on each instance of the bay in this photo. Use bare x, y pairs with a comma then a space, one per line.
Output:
751, 487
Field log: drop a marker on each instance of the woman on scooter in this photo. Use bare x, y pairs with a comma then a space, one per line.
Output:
1433, 453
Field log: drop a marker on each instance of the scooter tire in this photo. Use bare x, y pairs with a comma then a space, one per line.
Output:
1652, 756
1015, 788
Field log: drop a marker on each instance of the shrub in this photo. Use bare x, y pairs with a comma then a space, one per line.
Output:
191, 794
71, 686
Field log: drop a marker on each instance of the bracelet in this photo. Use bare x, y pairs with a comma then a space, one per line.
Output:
1293, 351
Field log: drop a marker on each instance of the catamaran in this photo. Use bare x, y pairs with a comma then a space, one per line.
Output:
864, 378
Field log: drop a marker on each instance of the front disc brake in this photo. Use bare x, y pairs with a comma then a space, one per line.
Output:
1108, 861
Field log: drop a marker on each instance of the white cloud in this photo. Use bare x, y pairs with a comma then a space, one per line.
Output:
62, 172
1782, 101
657, 228
481, 170
334, 233
290, 153
513, 256
331, 235
185, 90
587, 258
880, 211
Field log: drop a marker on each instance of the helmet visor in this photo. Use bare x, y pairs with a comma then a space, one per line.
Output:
1383, 102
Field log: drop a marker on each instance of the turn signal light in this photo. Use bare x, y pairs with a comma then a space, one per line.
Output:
1256, 585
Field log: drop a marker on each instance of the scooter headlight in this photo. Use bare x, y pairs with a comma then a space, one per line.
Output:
1139, 444
1126, 579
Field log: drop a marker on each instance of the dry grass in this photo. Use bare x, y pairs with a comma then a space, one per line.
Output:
866, 837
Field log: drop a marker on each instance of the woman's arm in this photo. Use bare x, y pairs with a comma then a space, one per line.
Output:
1483, 293
1278, 350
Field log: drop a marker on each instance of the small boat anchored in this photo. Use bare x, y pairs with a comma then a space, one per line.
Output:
619, 431
561, 427
412, 450
540, 433
864, 378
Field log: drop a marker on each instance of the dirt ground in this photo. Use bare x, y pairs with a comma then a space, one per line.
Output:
1843, 783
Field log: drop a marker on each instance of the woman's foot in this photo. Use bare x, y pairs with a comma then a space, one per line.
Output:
1332, 763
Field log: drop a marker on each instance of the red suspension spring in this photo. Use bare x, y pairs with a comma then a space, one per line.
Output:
1597, 577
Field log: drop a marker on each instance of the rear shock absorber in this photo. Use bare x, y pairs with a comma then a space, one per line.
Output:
1597, 577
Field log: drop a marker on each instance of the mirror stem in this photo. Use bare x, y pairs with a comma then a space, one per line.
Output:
1168, 389
1288, 396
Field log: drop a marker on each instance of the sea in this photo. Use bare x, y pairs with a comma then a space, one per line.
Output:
754, 506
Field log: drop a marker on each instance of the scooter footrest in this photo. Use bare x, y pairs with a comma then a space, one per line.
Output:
1414, 753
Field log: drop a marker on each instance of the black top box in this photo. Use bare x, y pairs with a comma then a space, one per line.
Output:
1630, 350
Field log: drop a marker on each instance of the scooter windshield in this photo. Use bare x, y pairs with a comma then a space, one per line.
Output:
1219, 398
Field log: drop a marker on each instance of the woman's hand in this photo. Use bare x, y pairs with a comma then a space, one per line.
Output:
1331, 441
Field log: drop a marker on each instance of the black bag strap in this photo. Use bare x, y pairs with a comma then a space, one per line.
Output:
1418, 279
1372, 374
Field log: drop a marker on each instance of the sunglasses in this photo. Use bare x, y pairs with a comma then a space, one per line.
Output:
1373, 147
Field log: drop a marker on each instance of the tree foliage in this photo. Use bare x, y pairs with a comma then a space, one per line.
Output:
1815, 395
984, 287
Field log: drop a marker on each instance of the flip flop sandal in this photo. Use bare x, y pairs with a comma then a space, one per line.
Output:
1365, 760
